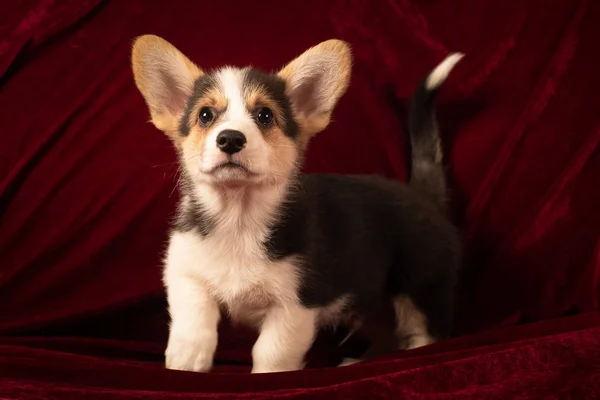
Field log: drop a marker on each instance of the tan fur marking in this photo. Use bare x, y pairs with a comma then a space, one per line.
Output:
197, 137
256, 97
214, 99
411, 324
285, 152
438, 151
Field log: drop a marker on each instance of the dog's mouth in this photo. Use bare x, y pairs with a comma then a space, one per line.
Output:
231, 166
232, 173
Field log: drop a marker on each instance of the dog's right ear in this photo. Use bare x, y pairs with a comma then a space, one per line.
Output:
165, 77
315, 81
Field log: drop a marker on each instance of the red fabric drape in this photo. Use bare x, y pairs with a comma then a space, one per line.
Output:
86, 191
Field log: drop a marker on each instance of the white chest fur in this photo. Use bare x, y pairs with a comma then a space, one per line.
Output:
235, 270
230, 269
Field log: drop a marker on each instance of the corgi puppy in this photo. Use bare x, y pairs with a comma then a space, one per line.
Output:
285, 252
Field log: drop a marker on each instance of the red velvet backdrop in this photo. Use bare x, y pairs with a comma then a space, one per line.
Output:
86, 191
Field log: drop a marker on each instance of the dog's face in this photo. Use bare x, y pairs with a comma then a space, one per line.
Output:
235, 127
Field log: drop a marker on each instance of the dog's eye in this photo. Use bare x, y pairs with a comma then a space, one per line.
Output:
206, 116
265, 116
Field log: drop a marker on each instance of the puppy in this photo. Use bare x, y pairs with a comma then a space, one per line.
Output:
285, 252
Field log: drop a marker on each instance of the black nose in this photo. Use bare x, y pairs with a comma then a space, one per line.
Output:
230, 141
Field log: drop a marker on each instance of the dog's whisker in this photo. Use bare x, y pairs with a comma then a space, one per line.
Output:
166, 164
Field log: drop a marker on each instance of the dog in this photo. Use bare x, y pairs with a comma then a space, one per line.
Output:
285, 252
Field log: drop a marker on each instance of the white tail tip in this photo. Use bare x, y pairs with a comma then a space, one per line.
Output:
441, 72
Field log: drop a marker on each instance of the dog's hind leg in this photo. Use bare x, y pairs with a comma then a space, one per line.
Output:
411, 324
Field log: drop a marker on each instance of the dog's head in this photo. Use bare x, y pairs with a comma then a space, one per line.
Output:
240, 126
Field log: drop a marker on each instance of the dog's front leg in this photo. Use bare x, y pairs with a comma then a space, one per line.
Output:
193, 333
286, 335
194, 312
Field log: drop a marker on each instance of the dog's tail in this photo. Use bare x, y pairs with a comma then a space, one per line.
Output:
426, 169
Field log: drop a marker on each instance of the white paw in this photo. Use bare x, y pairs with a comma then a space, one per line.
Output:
419, 341
349, 361
281, 367
191, 355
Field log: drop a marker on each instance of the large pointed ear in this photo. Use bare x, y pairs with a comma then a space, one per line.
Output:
165, 77
315, 81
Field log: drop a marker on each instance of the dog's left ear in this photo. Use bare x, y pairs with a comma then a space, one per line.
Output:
165, 77
315, 81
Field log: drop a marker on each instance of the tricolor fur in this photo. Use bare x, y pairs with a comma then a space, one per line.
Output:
285, 252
